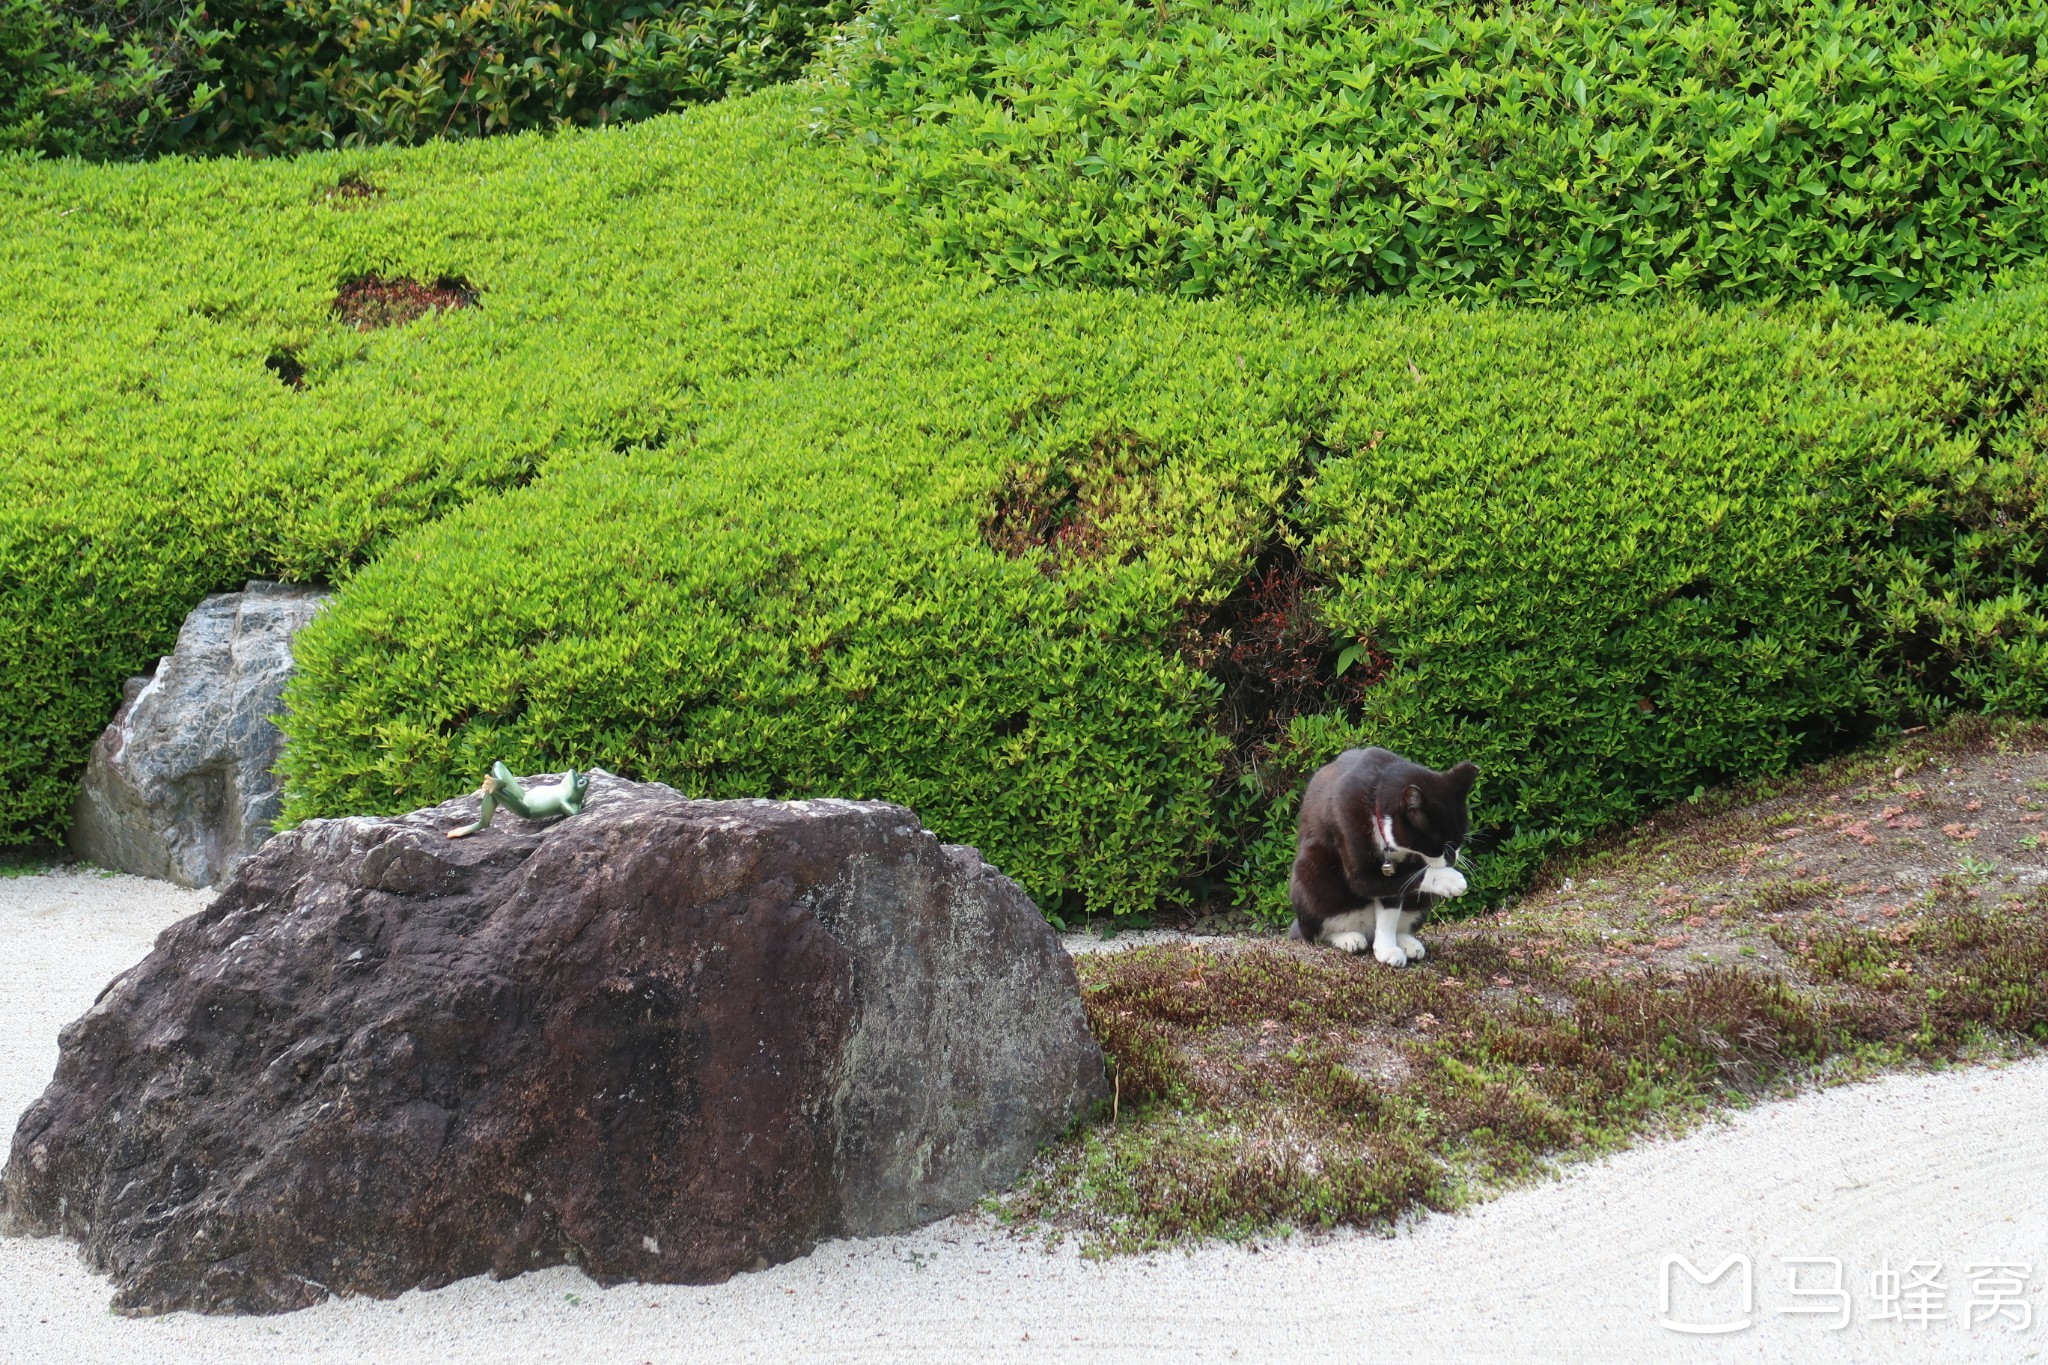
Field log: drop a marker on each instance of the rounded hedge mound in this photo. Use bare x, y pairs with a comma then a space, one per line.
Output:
719, 485
1542, 152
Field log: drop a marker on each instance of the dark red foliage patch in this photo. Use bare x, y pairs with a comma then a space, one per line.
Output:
352, 189
1062, 510
1274, 657
1049, 516
368, 302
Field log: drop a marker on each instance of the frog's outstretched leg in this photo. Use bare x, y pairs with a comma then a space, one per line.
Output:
490, 807
510, 794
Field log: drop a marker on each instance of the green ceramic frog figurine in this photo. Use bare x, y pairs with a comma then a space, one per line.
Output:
501, 788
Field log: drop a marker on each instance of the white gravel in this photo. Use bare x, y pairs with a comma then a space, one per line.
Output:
1082, 943
1948, 1168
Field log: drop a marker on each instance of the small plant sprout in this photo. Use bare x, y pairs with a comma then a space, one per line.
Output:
1975, 871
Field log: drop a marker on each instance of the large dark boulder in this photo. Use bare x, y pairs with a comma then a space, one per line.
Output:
663, 1040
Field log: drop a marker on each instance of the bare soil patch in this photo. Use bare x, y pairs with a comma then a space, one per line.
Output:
1937, 822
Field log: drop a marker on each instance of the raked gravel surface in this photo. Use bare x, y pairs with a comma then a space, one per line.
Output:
1949, 1168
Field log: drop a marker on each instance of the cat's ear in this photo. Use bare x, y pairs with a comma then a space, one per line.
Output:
1412, 798
1460, 777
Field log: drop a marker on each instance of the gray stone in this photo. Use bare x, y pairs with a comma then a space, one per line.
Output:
664, 1040
180, 786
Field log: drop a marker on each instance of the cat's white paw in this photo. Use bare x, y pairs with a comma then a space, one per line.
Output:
1443, 881
1351, 942
1390, 953
1412, 946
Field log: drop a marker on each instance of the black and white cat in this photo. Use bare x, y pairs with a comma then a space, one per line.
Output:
1377, 847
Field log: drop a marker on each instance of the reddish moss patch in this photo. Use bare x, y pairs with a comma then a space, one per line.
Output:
1274, 1084
368, 302
1928, 982
1863, 841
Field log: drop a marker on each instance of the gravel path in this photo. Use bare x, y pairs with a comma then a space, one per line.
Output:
1948, 1168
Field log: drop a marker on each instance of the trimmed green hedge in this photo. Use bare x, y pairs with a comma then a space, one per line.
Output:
708, 489
151, 457
104, 80
1546, 151
1616, 557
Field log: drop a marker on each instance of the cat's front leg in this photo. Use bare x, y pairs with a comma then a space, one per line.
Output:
1386, 937
1404, 936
